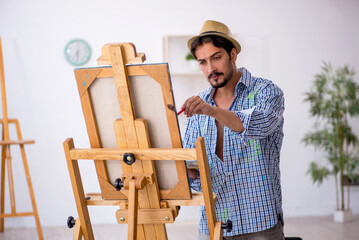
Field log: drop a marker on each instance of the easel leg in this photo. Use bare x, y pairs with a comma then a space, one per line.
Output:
141, 232
31, 191
206, 186
218, 231
2, 222
79, 193
152, 231
10, 178
132, 210
77, 231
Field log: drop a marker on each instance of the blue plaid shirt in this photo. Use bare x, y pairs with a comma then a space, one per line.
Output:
247, 181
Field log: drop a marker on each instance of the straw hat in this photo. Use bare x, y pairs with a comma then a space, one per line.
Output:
211, 27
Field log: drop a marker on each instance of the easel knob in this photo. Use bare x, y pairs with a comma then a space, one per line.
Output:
71, 222
227, 225
118, 184
129, 158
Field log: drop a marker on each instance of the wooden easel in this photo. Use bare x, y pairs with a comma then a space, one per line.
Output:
5, 143
143, 205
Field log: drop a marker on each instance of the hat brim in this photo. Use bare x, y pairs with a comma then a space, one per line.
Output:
232, 40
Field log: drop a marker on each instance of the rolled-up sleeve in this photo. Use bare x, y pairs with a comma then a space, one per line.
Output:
264, 117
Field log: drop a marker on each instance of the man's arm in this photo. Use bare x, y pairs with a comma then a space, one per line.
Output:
227, 118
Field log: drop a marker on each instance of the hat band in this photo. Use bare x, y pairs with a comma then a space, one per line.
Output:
213, 32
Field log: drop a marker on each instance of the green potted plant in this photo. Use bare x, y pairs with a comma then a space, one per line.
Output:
333, 99
192, 62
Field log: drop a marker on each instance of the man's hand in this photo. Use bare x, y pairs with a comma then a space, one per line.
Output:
195, 105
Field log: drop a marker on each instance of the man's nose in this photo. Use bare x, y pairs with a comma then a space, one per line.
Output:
210, 67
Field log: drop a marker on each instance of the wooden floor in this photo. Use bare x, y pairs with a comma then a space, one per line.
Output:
308, 228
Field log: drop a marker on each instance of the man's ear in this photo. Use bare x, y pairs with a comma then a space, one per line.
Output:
233, 55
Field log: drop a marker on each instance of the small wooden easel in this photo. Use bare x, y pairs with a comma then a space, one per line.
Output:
144, 205
6, 161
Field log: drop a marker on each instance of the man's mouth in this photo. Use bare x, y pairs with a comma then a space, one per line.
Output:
214, 75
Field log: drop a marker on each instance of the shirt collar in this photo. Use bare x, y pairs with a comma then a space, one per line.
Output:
245, 78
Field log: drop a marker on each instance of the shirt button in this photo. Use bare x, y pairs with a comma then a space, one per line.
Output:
229, 173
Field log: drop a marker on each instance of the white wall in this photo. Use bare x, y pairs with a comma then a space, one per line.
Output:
294, 37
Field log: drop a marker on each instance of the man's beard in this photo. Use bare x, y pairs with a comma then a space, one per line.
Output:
218, 74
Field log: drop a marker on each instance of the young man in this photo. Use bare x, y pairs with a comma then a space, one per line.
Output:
241, 119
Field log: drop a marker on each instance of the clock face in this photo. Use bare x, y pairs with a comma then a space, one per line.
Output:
77, 52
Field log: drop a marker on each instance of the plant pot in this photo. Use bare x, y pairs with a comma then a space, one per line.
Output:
193, 65
342, 216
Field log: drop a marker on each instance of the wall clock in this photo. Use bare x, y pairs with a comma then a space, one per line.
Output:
77, 52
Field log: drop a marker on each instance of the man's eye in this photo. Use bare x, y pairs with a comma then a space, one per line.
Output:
201, 62
217, 58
